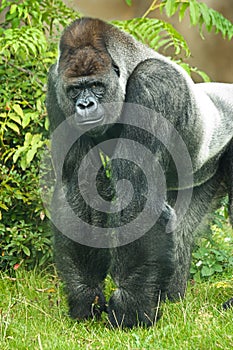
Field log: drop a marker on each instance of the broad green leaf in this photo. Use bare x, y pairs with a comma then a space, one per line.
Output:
18, 153
28, 139
207, 271
218, 268
13, 8
192, 270
35, 139
13, 126
38, 105
194, 12
26, 250
183, 8
170, 7
3, 206
26, 120
30, 155
15, 118
23, 163
205, 13
3, 115
46, 124
18, 110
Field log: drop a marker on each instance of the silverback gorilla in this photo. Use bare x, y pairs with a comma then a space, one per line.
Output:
107, 86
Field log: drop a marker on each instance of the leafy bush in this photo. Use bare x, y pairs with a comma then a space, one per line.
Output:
213, 253
28, 45
27, 49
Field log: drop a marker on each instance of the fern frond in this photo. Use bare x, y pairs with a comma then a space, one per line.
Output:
200, 14
155, 33
193, 70
159, 34
221, 24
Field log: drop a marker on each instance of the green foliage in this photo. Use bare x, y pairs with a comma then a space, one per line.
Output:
34, 316
46, 15
210, 260
200, 14
128, 2
213, 254
193, 70
25, 243
27, 49
161, 36
155, 33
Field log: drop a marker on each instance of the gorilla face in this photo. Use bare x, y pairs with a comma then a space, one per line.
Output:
86, 96
88, 78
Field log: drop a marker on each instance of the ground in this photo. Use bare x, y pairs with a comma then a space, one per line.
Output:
33, 314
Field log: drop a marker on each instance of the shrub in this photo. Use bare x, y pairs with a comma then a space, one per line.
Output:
213, 253
27, 49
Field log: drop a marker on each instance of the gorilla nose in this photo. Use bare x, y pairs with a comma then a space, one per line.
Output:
87, 106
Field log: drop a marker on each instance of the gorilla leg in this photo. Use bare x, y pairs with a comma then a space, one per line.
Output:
83, 269
142, 270
205, 199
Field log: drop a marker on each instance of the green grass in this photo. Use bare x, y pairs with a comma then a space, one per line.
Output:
33, 315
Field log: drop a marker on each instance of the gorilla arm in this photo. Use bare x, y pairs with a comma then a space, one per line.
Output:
202, 114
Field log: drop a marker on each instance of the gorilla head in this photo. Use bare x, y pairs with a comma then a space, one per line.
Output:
87, 75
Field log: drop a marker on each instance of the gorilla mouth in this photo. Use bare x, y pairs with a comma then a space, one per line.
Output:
89, 121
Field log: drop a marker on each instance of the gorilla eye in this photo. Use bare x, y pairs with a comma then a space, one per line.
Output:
73, 92
116, 69
97, 89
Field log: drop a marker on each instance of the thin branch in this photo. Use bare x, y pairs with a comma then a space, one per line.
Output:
152, 7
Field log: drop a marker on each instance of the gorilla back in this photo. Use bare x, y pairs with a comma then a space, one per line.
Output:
107, 91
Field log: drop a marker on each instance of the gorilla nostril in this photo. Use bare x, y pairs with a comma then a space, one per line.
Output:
81, 106
90, 104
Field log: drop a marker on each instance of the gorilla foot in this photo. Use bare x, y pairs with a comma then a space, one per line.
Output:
88, 304
125, 311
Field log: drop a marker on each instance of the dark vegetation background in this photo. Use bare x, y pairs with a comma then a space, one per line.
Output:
28, 46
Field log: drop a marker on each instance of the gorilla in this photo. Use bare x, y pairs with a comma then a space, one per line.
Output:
168, 153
